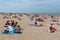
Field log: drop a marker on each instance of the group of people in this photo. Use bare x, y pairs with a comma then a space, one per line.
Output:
11, 27
51, 28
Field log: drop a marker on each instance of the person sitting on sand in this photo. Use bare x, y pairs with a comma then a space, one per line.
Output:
35, 23
52, 29
12, 22
52, 17
8, 28
18, 29
14, 27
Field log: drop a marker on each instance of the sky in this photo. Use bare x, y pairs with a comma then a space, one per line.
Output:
30, 6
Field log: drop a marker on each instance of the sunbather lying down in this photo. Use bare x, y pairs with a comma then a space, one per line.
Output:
36, 25
55, 20
40, 25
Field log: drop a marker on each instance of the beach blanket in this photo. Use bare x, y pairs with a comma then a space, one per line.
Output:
33, 25
38, 25
11, 32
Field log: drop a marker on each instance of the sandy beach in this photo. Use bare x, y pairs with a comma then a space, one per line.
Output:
31, 32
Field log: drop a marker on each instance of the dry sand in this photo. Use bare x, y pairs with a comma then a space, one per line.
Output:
30, 32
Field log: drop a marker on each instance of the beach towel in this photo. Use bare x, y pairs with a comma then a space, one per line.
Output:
8, 30
33, 25
5, 32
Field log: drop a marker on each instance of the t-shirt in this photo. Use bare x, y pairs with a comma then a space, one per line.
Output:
10, 28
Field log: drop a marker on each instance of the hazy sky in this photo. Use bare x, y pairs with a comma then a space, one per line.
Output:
30, 6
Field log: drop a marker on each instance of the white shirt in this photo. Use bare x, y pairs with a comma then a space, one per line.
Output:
10, 28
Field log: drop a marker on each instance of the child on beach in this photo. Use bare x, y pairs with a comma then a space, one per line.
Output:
52, 29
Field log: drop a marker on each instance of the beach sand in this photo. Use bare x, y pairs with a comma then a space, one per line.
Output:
30, 32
